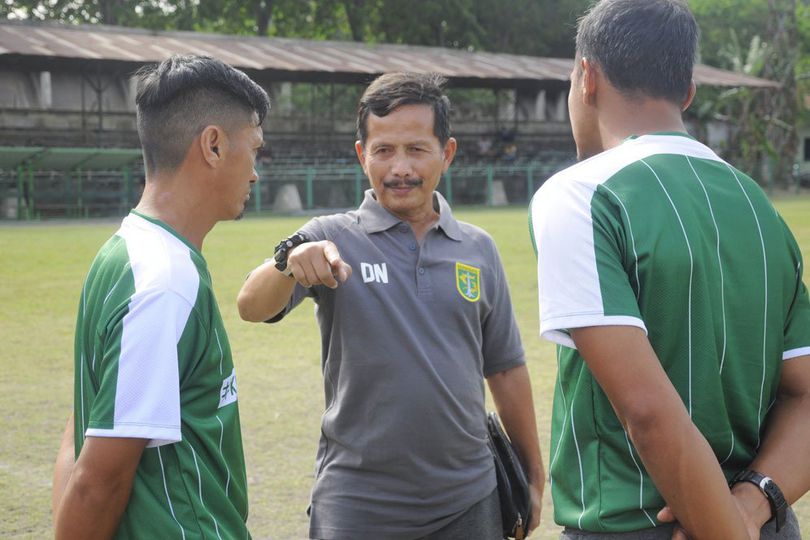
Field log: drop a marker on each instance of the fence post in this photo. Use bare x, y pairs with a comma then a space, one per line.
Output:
529, 181
20, 191
256, 192
449, 180
126, 195
310, 180
30, 206
490, 174
79, 203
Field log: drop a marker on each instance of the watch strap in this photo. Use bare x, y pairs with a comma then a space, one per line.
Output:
768, 487
287, 271
283, 249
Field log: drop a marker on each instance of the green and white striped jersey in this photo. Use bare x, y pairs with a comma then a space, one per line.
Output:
153, 361
661, 234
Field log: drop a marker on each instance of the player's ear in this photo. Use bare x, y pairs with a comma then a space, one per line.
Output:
449, 152
361, 156
690, 95
588, 81
212, 143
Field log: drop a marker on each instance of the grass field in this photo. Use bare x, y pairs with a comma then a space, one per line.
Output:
280, 392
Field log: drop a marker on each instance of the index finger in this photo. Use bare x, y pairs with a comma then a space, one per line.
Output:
332, 255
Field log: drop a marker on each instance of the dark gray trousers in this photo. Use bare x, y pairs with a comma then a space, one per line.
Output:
481, 522
790, 531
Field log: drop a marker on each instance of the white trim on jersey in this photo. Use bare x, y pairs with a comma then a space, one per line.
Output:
764, 305
166, 490
579, 462
199, 486
562, 429
227, 469
632, 237
719, 263
597, 318
221, 355
147, 397
691, 272
730, 451
640, 480
572, 298
795, 353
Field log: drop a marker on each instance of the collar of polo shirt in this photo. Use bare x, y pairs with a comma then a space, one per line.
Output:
375, 218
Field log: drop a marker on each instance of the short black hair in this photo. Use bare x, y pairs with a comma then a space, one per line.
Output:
179, 97
390, 91
644, 48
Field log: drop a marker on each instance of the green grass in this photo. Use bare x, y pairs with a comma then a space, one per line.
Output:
280, 392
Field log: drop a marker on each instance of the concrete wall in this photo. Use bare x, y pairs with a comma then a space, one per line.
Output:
97, 108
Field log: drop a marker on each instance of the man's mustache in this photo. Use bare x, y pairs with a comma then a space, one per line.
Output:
408, 182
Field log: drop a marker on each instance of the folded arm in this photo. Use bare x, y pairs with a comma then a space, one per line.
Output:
63, 467
97, 491
675, 454
785, 451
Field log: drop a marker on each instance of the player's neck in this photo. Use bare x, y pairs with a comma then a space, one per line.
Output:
625, 118
167, 200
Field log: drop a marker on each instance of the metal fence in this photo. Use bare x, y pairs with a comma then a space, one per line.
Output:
32, 194
323, 187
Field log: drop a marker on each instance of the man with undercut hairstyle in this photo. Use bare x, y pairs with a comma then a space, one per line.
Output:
154, 447
674, 292
414, 313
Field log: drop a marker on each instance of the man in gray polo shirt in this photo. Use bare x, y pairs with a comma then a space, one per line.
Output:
414, 312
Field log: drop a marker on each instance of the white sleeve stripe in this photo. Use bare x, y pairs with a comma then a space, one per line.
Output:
158, 436
795, 353
556, 329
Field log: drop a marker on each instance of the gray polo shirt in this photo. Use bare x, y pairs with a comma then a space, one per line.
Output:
406, 343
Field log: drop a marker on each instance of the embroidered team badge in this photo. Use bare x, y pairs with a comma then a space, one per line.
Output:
468, 281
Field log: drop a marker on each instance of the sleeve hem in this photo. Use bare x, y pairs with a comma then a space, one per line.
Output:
794, 353
157, 436
556, 329
504, 366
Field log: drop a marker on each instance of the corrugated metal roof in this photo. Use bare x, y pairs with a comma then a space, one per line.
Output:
295, 59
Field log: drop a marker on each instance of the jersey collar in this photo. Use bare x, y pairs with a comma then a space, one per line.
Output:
163, 225
663, 133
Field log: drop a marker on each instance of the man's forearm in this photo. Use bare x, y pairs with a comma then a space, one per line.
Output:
264, 294
63, 467
512, 393
90, 513
785, 451
685, 471
675, 454
98, 490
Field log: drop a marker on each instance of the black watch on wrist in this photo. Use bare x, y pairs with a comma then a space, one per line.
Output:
283, 249
771, 491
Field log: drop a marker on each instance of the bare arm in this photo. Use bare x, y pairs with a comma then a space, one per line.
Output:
676, 455
97, 492
63, 467
785, 451
267, 291
512, 392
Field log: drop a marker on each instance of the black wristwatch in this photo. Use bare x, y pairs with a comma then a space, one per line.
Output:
283, 249
770, 490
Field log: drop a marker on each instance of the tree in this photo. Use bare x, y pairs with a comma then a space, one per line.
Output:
764, 120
